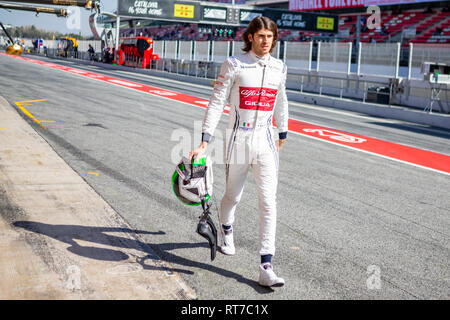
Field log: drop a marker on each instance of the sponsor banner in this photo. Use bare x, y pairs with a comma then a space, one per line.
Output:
305, 5
184, 11
156, 9
168, 9
389, 2
214, 13
247, 15
251, 98
324, 23
303, 21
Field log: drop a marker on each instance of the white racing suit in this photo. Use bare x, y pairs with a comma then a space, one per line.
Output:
255, 89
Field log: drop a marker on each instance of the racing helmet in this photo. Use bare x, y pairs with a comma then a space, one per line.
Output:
192, 182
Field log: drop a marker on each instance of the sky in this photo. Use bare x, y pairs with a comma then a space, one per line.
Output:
52, 22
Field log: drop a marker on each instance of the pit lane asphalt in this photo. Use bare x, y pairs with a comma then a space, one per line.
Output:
343, 214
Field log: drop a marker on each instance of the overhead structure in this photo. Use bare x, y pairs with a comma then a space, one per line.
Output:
107, 34
17, 49
57, 11
306, 5
224, 14
88, 4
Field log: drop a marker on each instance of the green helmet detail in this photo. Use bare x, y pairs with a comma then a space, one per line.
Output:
192, 181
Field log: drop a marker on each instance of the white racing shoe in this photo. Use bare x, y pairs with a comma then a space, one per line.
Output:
226, 242
267, 277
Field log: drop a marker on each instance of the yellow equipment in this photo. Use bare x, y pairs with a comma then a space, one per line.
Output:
15, 49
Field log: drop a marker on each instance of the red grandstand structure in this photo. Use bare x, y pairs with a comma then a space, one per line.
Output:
426, 27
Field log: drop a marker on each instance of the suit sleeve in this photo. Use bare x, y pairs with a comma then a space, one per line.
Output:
219, 98
281, 108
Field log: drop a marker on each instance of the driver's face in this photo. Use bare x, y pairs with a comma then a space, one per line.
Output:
261, 42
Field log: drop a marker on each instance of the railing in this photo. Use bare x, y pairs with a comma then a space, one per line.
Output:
325, 68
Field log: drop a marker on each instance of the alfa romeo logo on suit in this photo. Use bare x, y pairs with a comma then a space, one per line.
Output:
252, 98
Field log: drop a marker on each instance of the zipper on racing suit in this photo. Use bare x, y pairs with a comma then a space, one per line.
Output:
259, 100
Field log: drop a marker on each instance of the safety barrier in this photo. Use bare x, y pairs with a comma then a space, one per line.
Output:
334, 56
332, 68
381, 59
420, 52
371, 72
298, 55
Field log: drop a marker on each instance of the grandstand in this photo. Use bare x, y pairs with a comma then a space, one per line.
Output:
429, 26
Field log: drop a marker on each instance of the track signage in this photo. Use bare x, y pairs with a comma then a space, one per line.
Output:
225, 15
164, 10
303, 21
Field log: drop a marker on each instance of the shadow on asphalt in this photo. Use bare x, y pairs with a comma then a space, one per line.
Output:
71, 233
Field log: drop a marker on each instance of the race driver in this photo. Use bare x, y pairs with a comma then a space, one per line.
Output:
253, 83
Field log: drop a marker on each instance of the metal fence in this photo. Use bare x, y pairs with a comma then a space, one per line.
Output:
185, 50
419, 53
298, 55
334, 56
379, 59
237, 47
220, 51
171, 50
332, 68
83, 45
201, 50
158, 48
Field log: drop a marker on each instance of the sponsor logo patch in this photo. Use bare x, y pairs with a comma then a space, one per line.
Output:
253, 98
